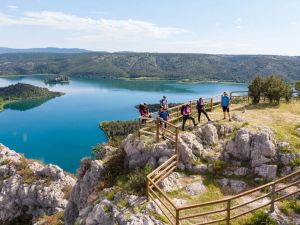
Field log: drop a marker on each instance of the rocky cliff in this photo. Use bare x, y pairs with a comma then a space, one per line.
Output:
30, 188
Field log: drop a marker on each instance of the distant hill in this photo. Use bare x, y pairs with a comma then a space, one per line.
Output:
42, 50
192, 67
22, 91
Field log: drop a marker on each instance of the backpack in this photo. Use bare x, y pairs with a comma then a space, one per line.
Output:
182, 109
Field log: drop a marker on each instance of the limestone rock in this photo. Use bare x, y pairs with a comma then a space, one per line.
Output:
196, 188
210, 134
171, 183
235, 186
26, 189
268, 172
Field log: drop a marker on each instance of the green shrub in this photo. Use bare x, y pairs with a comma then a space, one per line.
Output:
23, 219
275, 88
297, 85
256, 89
116, 131
296, 162
290, 206
260, 218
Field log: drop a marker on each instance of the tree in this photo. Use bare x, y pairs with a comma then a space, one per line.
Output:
275, 88
256, 88
297, 86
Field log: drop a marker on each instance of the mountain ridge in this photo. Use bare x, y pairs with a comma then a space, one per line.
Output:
175, 66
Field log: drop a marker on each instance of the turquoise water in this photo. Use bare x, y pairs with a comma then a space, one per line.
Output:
64, 129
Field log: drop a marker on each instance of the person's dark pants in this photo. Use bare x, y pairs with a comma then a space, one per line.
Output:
204, 112
185, 118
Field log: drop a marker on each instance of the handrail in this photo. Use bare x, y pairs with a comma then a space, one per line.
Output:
169, 166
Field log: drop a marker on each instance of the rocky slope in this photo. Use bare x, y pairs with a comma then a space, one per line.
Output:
29, 187
234, 155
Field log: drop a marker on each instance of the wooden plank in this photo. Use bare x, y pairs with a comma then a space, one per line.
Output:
249, 202
161, 166
202, 214
161, 208
288, 186
249, 211
163, 194
165, 175
164, 204
162, 172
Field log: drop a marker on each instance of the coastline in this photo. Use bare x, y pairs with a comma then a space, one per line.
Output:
141, 78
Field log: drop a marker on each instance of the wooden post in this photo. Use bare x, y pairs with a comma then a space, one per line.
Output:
176, 144
211, 104
177, 217
157, 129
191, 107
228, 212
272, 198
139, 125
147, 190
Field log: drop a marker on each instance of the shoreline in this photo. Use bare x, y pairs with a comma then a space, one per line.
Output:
135, 79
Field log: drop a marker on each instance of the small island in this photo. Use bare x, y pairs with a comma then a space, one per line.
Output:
22, 92
61, 79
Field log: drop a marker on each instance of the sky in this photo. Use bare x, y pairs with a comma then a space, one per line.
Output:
183, 26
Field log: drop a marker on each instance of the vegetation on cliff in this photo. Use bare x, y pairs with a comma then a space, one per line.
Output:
191, 67
117, 130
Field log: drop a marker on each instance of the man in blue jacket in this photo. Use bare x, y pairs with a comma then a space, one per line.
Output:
225, 104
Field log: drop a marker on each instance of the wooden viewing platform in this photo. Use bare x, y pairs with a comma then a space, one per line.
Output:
223, 210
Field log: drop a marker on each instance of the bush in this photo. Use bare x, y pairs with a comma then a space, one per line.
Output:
275, 88
256, 88
260, 218
116, 131
297, 86
290, 206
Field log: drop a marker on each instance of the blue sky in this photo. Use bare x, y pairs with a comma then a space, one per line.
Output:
197, 26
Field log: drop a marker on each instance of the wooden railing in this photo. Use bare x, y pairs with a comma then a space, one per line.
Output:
224, 210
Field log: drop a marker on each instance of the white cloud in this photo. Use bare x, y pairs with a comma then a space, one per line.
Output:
90, 26
13, 7
238, 23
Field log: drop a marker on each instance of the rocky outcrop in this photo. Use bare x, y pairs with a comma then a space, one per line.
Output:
140, 151
30, 187
256, 149
89, 175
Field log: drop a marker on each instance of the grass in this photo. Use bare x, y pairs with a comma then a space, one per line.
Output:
282, 119
55, 219
288, 207
25, 172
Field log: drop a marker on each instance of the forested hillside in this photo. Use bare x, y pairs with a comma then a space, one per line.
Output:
197, 67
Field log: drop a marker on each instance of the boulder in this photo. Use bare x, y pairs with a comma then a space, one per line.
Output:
267, 172
236, 186
171, 183
210, 134
196, 188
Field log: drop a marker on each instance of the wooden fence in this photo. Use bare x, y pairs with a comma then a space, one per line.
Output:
224, 210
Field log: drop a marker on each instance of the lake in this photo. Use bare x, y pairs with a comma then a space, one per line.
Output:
63, 130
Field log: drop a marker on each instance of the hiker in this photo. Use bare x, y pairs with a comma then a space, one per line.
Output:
164, 115
164, 103
201, 109
225, 104
186, 115
144, 112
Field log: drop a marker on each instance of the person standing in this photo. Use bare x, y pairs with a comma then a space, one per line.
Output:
186, 115
164, 103
164, 115
201, 109
225, 104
